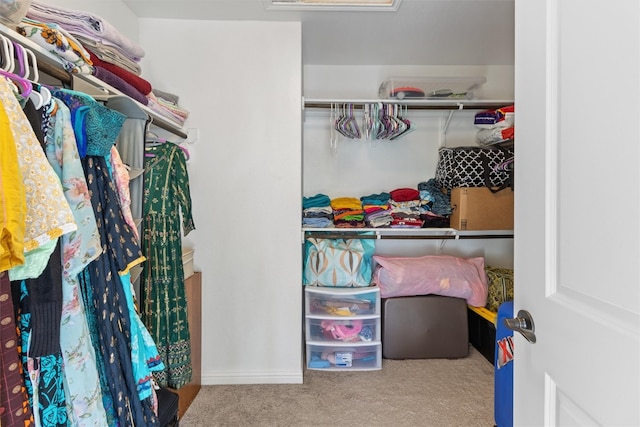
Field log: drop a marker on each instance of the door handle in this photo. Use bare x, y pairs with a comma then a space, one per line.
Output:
523, 324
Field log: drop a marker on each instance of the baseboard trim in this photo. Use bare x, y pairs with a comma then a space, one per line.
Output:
225, 378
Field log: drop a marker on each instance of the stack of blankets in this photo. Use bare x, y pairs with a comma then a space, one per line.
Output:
86, 43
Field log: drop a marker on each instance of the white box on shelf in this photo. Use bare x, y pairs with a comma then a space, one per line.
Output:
430, 87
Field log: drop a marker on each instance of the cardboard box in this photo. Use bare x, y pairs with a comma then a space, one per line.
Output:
480, 209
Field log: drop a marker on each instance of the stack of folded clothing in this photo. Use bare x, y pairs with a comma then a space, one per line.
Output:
406, 208
317, 211
125, 81
347, 212
440, 207
93, 32
169, 110
377, 211
104, 52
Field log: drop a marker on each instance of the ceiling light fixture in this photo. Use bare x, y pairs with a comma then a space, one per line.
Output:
333, 5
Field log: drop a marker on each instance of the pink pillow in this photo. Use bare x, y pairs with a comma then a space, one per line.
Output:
432, 274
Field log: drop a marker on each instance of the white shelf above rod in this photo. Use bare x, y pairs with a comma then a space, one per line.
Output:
412, 104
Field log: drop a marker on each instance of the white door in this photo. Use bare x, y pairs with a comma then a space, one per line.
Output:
577, 207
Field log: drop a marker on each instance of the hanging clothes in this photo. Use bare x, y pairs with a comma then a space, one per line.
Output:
15, 409
12, 200
166, 199
48, 215
39, 302
105, 287
130, 146
81, 378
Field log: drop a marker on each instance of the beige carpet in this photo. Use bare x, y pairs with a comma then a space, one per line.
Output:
434, 392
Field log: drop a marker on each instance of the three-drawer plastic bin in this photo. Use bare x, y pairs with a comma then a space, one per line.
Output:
342, 328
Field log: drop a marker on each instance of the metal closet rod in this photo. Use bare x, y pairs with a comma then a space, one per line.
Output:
413, 104
355, 235
378, 236
362, 104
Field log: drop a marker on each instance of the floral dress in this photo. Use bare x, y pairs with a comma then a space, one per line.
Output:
82, 384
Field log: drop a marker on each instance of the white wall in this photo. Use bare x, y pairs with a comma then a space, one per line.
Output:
242, 83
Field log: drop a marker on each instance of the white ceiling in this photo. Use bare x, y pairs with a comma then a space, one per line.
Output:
421, 32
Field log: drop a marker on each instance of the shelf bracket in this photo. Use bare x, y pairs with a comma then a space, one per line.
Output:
447, 122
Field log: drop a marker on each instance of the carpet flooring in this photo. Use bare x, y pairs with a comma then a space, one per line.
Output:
426, 392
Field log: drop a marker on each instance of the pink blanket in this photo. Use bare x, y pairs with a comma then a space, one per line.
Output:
432, 274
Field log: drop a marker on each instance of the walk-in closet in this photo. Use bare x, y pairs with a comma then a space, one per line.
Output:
270, 105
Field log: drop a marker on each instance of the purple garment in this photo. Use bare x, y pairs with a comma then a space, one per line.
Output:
120, 84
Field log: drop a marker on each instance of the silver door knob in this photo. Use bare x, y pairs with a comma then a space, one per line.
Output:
523, 324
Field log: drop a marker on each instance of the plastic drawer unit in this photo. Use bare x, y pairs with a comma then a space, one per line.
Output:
343, 329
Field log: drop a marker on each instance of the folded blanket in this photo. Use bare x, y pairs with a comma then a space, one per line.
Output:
86, 24
55, 40
140, 84
164, 112
111, 55
171, 114
120, 84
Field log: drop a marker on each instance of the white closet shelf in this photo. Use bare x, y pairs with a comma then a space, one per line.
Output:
101, 88
51, 65
404, 233
415, 104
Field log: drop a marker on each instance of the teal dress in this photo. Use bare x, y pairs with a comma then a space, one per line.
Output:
164, 303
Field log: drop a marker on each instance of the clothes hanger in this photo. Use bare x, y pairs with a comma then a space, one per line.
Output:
7, 54
352, 124
27, 65
409, 127
44, 91
152, 139
333, 138
187, 155
24, 85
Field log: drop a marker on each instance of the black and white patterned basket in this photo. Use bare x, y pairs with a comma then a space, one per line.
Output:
473, 167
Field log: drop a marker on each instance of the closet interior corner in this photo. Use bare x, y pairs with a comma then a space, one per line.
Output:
357, 153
